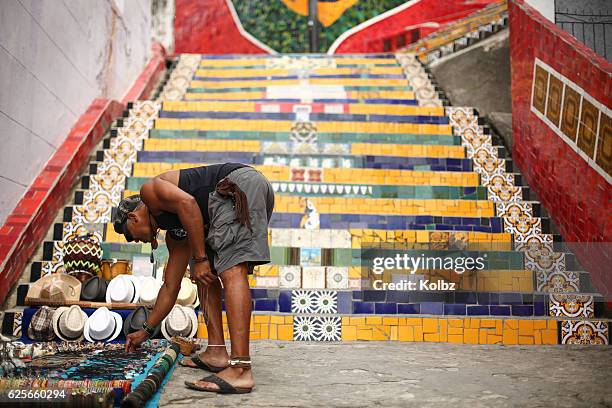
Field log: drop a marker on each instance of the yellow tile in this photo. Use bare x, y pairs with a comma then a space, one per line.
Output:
431, 337
494, 339
487, 323
374, 320
285, 332
364, 334
394, 333
455, 323
552, 324
549, 336
406, 333
430, 325
390, 321
474, 323
418, 333
414, 321
470, 336
455, 330
511, 324
510, 336
539, 324
349, 333
525, 327
358, 320
277, 319
381, 332
455, 338
525, 340
273, 331
261, 318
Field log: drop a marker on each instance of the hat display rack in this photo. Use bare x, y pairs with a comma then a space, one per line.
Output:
77, 300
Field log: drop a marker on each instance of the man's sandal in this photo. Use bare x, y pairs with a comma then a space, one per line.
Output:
224, 386
201, 364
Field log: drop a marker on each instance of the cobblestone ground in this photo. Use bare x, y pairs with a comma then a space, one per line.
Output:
366, 374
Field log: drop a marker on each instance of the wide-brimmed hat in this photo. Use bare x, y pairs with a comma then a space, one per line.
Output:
133, 322
94, 289
41, 325
55, 287
181, 321
102, 326
69, 323
149, 288
123, 288
188, 294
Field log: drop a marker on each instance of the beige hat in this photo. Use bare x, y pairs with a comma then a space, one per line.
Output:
188, 294
181, 321
149, 288
55, 287
69, 323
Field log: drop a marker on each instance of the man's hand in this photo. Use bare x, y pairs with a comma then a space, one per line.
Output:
201, 272
133, 340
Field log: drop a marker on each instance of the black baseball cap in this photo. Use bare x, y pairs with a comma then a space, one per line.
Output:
119, 215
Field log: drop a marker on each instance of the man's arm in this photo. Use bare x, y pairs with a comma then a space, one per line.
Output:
175, 270
162, 195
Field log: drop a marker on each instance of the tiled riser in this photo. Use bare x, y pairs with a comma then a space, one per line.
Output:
384, 165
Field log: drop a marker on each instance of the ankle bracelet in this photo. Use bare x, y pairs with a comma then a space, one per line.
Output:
242, 362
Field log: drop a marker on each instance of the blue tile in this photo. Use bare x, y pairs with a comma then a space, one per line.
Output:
284, 301
374, 295
363, 307
477, 310
511, 298
385, 308
522, 310
259, 293
409, 308
539, 308
398, 296
499, 310
345, 302
484, 298
357, 295
433, 308
454, 309
270, 305
466, 297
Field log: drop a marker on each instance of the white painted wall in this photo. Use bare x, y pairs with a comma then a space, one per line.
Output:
545, 7
56, 56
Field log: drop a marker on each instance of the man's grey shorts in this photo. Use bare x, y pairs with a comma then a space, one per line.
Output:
231, 242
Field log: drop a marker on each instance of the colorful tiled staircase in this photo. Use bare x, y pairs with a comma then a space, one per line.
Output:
361, 152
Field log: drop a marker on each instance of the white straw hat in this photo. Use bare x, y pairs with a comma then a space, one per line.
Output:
181, 321
69, 323
103, 326
149, 288
188, 294
123, 288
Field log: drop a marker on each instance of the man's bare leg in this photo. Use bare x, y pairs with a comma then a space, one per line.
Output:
214, 356
238, 309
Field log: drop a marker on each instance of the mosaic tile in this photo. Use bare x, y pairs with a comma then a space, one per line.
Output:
289, 276
584, 332
304, 132
18, 317
72, 230
337, 277
311, 328
571, 306
314, 301
313, 277
310, 256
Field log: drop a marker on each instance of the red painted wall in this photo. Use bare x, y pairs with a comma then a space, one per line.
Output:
576, 195
207, 27
370, 39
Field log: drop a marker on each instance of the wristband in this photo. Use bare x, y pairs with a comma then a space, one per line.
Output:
199, 259
148, 329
